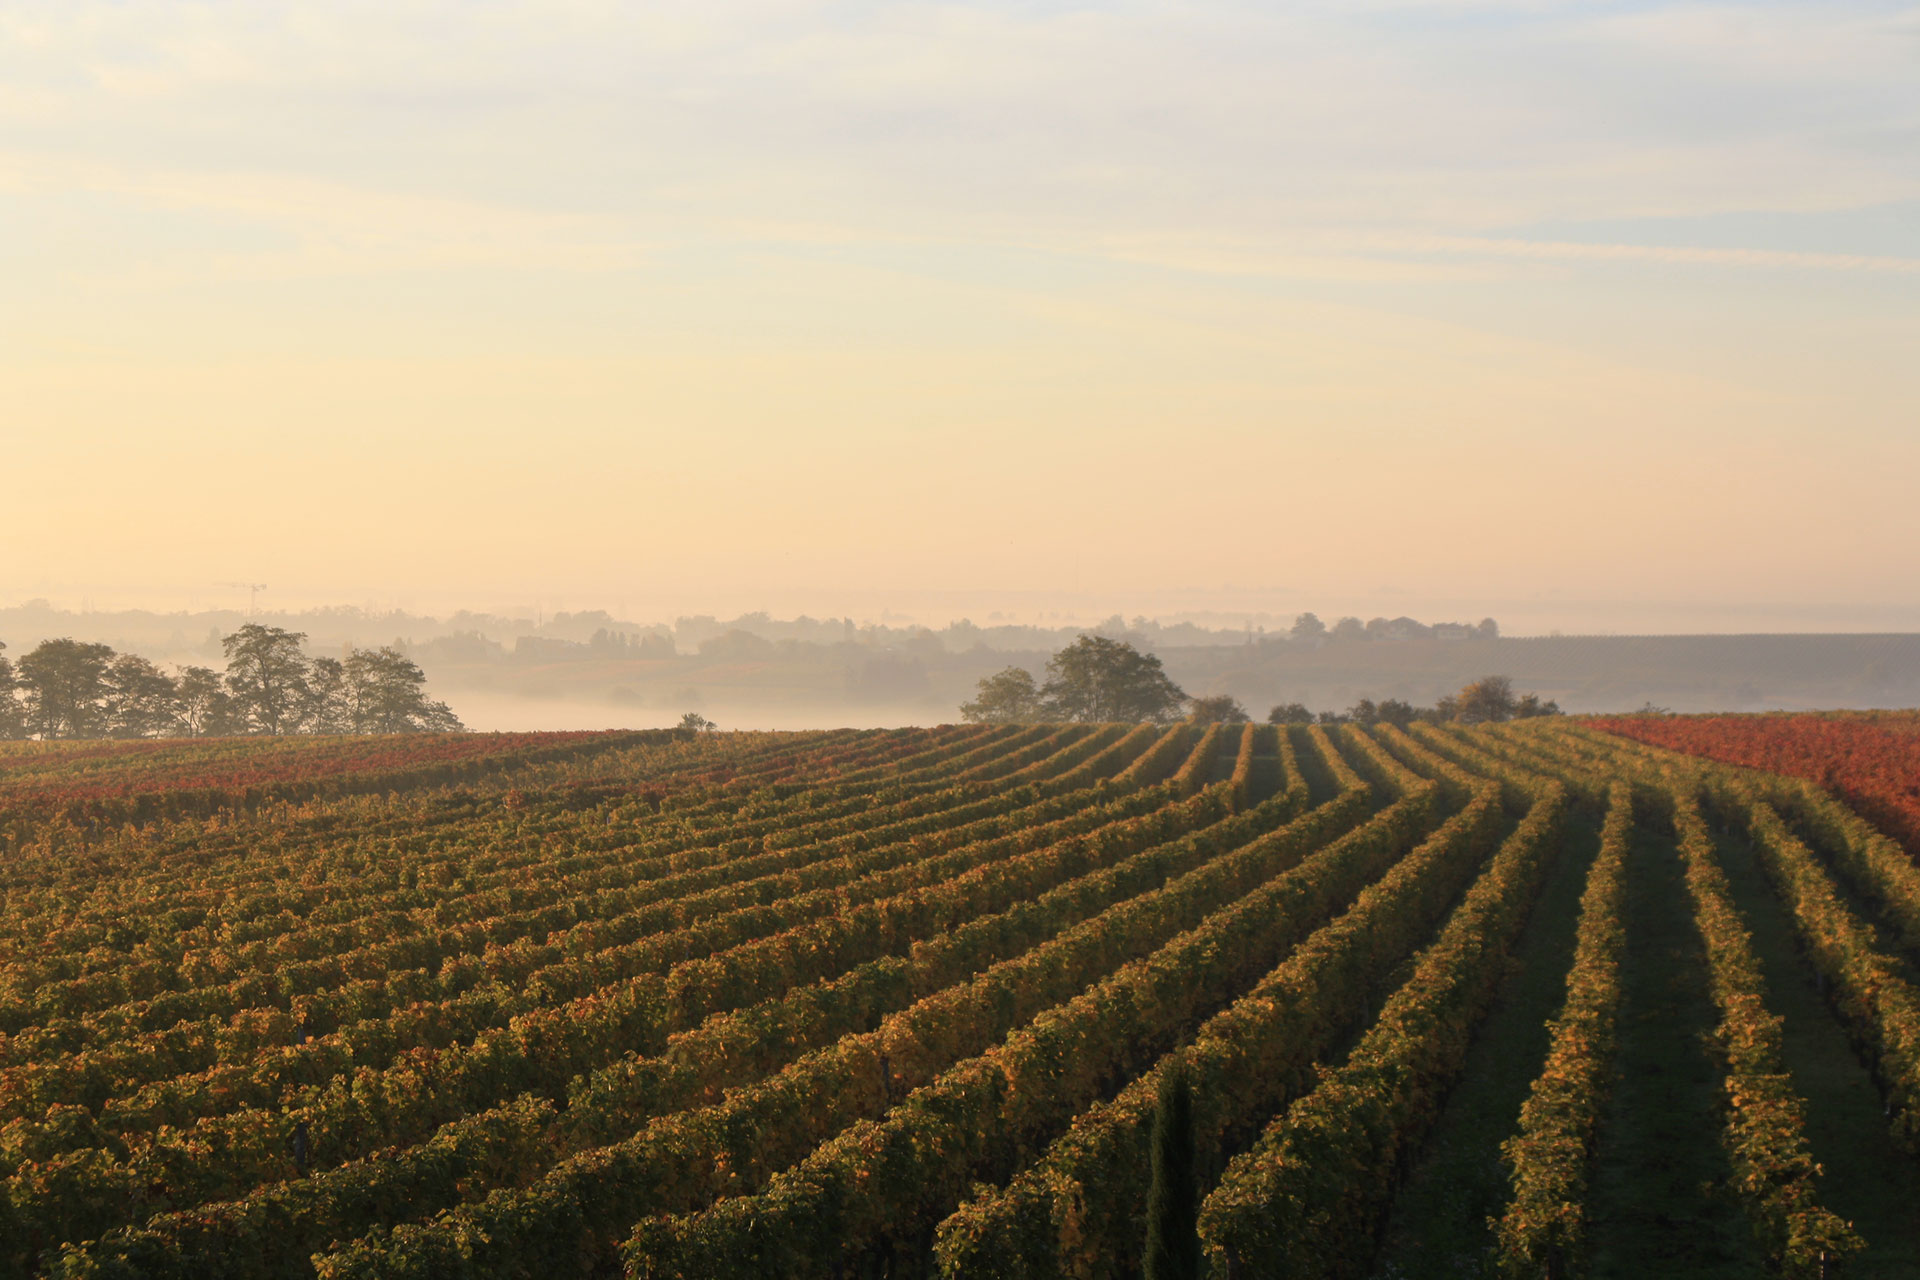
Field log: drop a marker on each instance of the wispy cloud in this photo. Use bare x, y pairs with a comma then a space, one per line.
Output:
1577, 251
1226, 262
1121, 117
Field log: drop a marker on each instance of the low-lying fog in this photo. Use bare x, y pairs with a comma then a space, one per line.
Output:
507, 713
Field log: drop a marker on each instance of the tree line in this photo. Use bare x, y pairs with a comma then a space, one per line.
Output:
67, 688
1488, 700
1101, 680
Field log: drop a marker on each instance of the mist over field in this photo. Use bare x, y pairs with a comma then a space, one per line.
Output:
594, 670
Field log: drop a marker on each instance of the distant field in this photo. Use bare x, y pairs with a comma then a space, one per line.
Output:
58, 772
1532, 997
1871, 759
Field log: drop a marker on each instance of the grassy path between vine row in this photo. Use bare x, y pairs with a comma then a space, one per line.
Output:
1659, 1200
1868, 1180
1322, 786
1437, 1228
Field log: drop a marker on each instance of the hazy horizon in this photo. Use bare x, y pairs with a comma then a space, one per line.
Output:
1223, 609
594, 669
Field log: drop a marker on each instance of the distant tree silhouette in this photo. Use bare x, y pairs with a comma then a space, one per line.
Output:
1397, 713
386, 692
1290, 713
13, 720
267, 677
328, 704
65, 685
142, 701
1009, 697
1488, 699
66, 689
205, 711
1100, 679
1347, 630
1221, 708
1308, 627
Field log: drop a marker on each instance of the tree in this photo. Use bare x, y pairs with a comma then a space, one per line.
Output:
328, 704
736, 645
1173, 1198
1363, 712
1103, 680
386, 693
65, 685
1489, 698
697, 723
66, 689
1007, 698
1290, 713
202, 704
13, 720
1396, 712
142, 701
1530, 705
1348, 630
267, 677
1308, 627
1222, 708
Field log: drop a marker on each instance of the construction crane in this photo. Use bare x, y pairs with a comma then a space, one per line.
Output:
253, 590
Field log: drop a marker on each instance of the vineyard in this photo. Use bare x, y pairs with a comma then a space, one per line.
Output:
1871, 763
1537, 999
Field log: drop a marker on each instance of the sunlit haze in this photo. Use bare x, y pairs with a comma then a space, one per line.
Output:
1591, 316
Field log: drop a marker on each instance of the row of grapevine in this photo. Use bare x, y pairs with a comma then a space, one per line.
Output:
549, 1041
1873, 768
190, 1240
47, 987
1306, 1198
683, 871
1244, 760
1077, 1211
880, 1187
1765, 1127
205, 777
1194, 771
1878, 1002
1764, 1130
1160, 760
1543, 1232
838, 1085
631, 921
1521, 785
894, 1003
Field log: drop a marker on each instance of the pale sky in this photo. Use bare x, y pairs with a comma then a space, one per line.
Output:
705, 306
